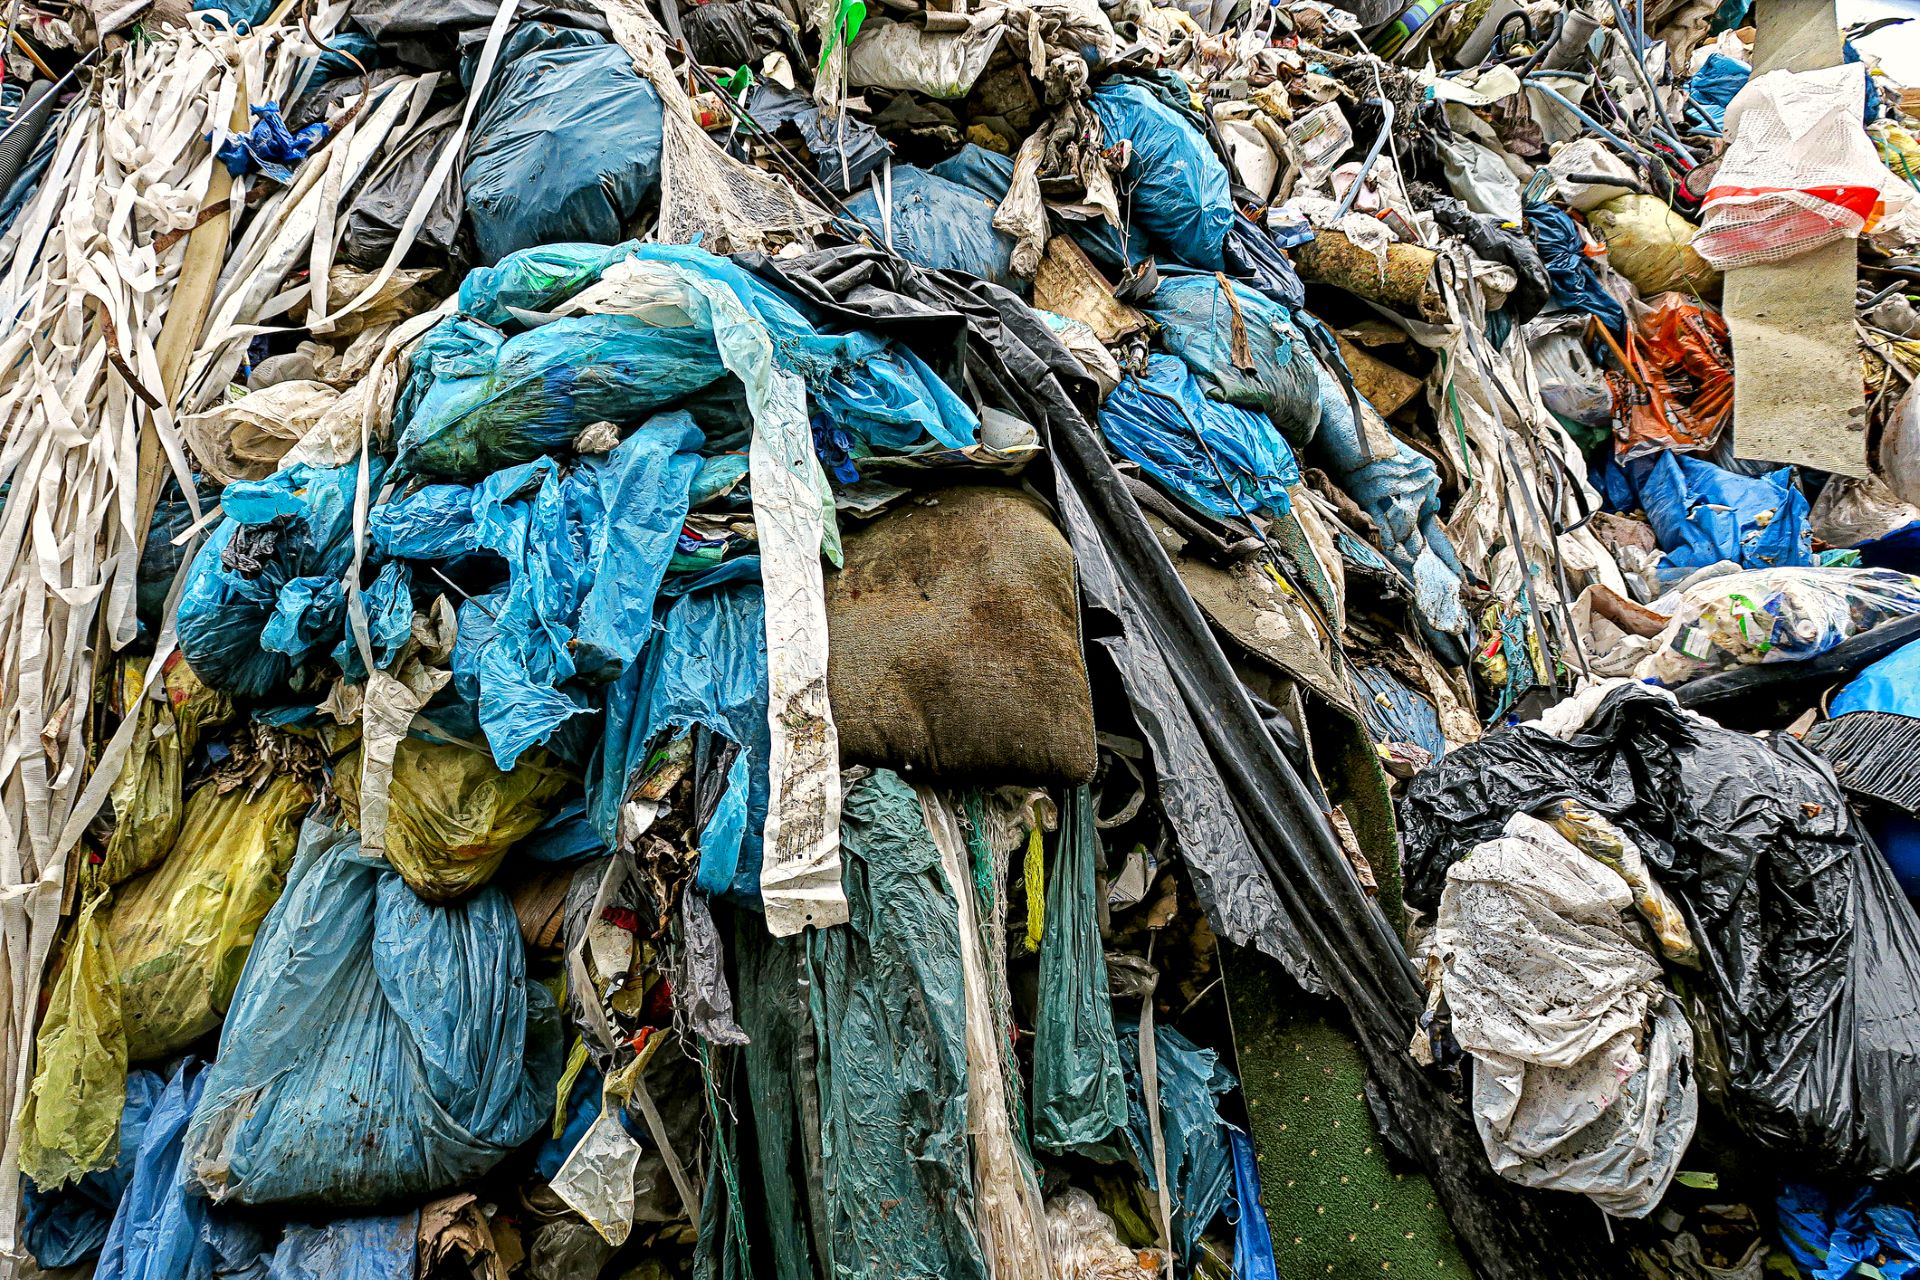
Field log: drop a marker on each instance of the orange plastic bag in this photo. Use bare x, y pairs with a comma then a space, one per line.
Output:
1673, 381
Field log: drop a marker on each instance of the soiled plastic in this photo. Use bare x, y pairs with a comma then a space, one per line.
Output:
181, 933
1772, 615
452, 814
941, 224
1652, 246
379, 1046
1203, 321
1180, 193
71, 1121
566, 147
1811, 954
1678, 395
1079, 1091
1605, 843
1554, 992
1223, 461
148, 798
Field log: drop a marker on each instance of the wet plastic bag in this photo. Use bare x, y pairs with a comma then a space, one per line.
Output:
379, 1047
1772, 615
181, 933
1198, 1162
1244, 349
451, 813
1223, 461
565, 147
1674, 390
1180, 193
1799, 171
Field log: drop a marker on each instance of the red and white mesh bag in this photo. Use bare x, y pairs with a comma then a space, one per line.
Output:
1799, 171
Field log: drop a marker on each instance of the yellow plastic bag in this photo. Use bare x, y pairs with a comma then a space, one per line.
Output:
452, 814
1652, 246
147, 797
71, 1122
182, 932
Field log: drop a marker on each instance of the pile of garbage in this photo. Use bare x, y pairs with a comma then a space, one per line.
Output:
1075, 638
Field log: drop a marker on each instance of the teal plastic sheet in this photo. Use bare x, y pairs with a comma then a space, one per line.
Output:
1079, 1091
379, 1047
1199, 1162
870, 1071
264, 598
1222, 460
585, 551
1199, 317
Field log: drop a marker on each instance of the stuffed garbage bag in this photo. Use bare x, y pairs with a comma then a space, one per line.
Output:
379, 1047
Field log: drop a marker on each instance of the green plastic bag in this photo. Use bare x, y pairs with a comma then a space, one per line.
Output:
148, 798
71, 1122
1079, 1091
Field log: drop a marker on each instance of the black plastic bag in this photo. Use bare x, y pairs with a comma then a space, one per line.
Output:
382, 205
1811, 952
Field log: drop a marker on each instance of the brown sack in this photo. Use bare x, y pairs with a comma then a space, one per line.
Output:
954, 643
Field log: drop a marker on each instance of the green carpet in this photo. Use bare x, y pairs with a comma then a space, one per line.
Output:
1334, 1205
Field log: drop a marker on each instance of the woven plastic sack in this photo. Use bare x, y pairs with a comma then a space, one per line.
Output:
181, 933
1800, 171
452, 814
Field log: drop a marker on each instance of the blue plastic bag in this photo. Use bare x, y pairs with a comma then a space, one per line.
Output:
1219, 459
941, 224
991, 174
1198, 318
1252, 1239
1395, 713
532, 281
1714, 85
261, 604
379, 1047
1701, 514
69, 1225
375, 1248
162, 1231
708, 668
270, 147
1858, 1238
585, 553
566, 146
1179, 191
1574, 282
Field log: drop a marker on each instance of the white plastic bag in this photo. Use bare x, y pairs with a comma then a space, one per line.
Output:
1800, 171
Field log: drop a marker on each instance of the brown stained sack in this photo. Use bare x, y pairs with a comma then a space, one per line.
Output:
954, 643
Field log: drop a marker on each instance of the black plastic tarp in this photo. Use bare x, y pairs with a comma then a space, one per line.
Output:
1207, 736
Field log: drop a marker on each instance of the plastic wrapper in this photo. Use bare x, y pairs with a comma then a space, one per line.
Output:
565, 147
1244, 349
1673, 380
1600, 840
1799, 171
1575, 283
1079, 1094
1771, 615
1810, 954
181, 933
379, 1046
452, 814
1086, 1246
1223, 461
148, 798
1555, 994
1181, 195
